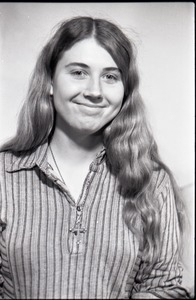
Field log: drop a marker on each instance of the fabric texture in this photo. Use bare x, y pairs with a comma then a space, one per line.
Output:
51, 247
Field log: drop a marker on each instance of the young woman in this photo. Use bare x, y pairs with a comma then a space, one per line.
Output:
87, 208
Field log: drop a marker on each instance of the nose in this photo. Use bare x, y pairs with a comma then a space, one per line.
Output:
93, 90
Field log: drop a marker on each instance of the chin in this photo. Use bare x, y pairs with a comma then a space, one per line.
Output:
83, 130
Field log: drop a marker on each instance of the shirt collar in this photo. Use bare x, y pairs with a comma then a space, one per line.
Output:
29, 159
38, 157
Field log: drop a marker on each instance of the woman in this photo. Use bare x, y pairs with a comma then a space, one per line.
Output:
88, 209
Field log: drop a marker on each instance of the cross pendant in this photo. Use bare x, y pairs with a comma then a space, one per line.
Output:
77, 230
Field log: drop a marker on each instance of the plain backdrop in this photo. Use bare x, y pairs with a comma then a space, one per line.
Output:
164, 35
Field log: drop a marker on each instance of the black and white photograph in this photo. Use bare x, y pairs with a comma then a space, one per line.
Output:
97, 150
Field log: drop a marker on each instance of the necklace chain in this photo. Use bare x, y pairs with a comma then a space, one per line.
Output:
56, 164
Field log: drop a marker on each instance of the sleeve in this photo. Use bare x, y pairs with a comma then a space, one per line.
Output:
165, 279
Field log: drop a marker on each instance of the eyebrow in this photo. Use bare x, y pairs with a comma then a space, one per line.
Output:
82, 65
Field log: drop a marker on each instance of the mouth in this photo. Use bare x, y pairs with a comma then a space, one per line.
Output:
90, 105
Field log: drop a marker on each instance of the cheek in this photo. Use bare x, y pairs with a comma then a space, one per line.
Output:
64, 87
63, 91
116, 97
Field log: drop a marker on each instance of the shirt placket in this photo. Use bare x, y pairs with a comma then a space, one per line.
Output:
77, 231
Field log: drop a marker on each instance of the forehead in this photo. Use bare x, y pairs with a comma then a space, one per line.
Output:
88, 51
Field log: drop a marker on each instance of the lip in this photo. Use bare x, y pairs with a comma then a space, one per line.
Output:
89, 105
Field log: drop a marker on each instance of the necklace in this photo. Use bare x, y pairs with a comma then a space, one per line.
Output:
56, 164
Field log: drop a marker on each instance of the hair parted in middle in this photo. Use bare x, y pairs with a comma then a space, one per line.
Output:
131, 149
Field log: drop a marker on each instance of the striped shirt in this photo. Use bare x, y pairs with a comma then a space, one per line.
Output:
51, 247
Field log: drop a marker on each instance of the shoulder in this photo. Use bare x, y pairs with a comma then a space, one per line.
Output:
11, 161
7, 161
4, 159
162, 185
160, 180
7, 158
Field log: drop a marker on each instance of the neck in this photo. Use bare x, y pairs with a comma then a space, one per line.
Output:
77, 146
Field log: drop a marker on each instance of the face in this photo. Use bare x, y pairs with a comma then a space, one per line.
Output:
87, 88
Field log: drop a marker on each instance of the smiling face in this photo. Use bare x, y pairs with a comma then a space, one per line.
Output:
87, 88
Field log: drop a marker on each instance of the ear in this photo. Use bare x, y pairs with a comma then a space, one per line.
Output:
51, 90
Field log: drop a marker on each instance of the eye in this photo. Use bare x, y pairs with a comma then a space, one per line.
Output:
111, 78
78, 74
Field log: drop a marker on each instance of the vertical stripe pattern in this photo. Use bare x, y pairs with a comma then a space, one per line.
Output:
42, 259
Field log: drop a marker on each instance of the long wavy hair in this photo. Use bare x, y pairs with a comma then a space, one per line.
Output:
131, 149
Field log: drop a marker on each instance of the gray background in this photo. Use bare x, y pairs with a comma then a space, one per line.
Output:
164, 35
